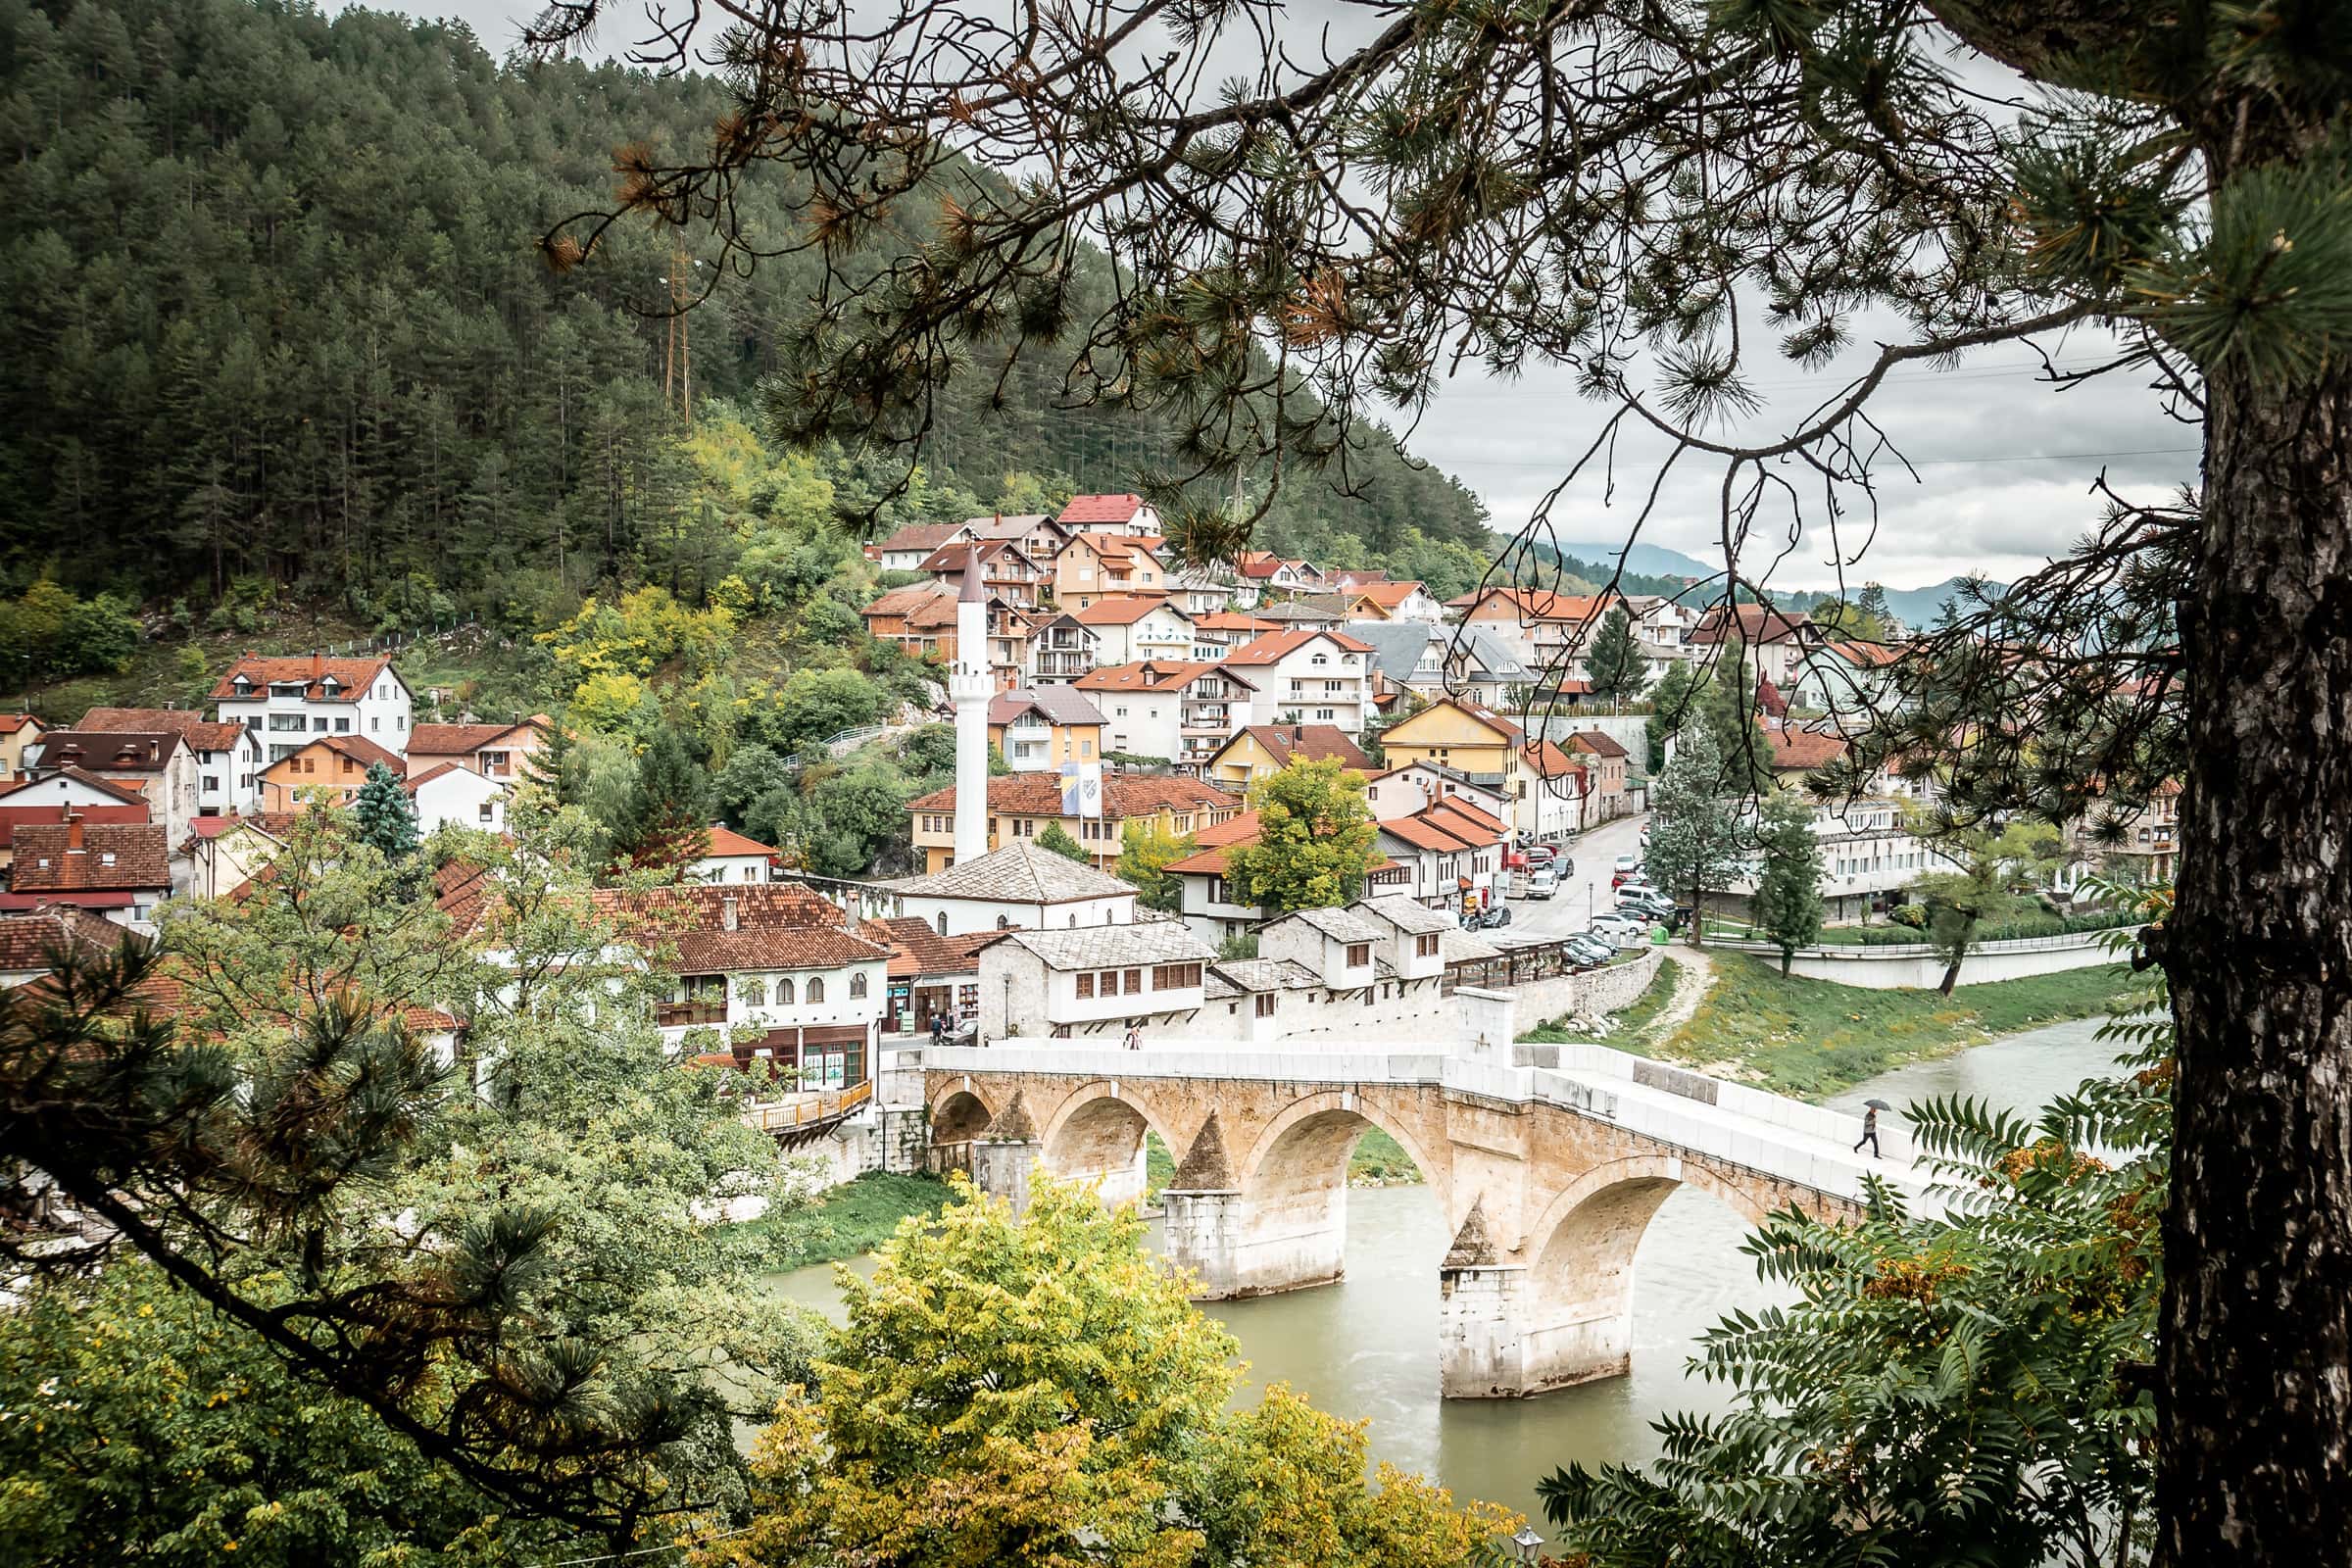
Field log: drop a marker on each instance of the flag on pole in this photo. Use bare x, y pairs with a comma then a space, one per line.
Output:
1082, 789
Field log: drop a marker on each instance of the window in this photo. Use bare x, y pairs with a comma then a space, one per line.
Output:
1086, 987
1264, 1008
858, 986
1106, 983
817, 989
1323, 713
320, 724
751, 992
1322, 659
941, 921
342, 725
1426, 945
400, 721
487, 811
211, 783
1134, 982
1175, 976
784, 991
1359, 954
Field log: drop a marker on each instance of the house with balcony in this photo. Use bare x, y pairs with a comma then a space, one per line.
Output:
1122, 513
1275, 575
1007, 573
1038, 729
920, 619
1020, 806
1060, 648
1457, 733
1869, 856
1547, 632
1134, 627
1179, 709
289, 702
228, 755
1040, 536
1220, 632
1778, 642
1448, 848
774, 972
1097, 565
907, 549
1391, 600
1307, 676
500, 752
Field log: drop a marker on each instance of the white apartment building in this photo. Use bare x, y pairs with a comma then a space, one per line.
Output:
1307, 677
290, 701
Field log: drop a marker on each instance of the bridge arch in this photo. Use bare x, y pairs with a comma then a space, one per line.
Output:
1291, 1227
958, 1117
1577, 1310
1097, 1134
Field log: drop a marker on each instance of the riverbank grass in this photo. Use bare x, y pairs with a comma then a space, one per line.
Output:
855, 1217
1812, 1038
1633, 1023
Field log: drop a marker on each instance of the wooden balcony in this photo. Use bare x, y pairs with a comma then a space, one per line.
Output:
689, 1015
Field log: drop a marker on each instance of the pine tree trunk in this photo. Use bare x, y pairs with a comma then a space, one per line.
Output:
2255, 1438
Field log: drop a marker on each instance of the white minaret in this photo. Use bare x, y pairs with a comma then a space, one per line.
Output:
969, 688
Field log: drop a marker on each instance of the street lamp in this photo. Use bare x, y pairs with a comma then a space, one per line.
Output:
1527, 1540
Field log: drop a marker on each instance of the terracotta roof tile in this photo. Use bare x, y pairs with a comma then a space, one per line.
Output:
139, 857
924, 536
1312, 743
204, 734
110, 751
1124, 795
1275, 645
1595, 743
25, 940
456, 740
1143, 675
724, 840
1083, 510
353, 677
779, 925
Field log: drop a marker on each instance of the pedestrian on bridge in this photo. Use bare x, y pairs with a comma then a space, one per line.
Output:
1870, 1128
1135, 1037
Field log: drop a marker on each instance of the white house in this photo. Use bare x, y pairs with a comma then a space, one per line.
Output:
1307, 677
228, 755
775, 974
1449, 847
1850, 679
730, 857
1199, 591
1130, 628
1413, 786
289, 702
448, 794
1122, 513
1094, 980
1018, 885
159, 765
909, 547
1867, 855
1149, 707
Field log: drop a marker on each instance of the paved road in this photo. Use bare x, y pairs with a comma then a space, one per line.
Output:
1586, 893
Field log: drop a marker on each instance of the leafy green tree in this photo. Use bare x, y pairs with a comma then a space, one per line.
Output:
1992, 866
99, 636
1672, 699
1727, 703
1872, 604
552, 1333
1054, 838
1947, 1391
1787, 903
816, 705
384, 815
1040, 1391
666, 822
1316, 839
1696, 839
1847, 620
1614, 663
751, 770
1146, 850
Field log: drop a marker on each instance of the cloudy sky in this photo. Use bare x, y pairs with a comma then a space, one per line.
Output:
2004, 463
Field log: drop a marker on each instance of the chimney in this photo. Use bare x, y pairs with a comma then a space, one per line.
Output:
73, 832
318, 664
728, 917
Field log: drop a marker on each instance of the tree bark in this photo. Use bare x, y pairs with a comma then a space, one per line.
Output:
2255, 1393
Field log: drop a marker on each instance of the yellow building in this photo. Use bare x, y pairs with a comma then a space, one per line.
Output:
17, 731
1042, 729
1261, 751
1020, 804
1096, 566
1463, 736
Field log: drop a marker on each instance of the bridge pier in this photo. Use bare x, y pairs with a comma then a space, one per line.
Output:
1201, 1232
1000, 1168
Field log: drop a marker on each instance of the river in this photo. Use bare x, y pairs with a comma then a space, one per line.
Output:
1368, 1346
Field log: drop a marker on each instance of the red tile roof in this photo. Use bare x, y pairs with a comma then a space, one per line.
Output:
779, 925
916, 949
1234, 620
923, 604
204, 734
1531, 605
1861, 653
1756, 624
1083, 510
1595, 743
1124, 795
924, 536
1143, 675
415, 781
724, 840
354, 676
1274, 645
1312, 743
1387, 595
110, 751
9, 723
1793, 749
457, 740
123, 793
359, 748
25, 940
47, 863
1547, 761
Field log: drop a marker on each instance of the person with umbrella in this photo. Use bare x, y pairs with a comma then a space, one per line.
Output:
1870, 1127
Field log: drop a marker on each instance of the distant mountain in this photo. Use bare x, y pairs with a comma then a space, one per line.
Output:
1655, 561
1913, 607
1917, 608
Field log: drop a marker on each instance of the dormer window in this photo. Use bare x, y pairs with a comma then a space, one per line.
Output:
241, 686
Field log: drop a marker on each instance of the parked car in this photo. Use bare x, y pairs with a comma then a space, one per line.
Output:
1540, 855
1623, 929
1628, 865
1590, 949
1646, 906
1492, 917
1543, 884
1639, 887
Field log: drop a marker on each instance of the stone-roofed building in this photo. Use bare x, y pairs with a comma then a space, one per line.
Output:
117, 870
1018, 885
1094, 980
287, 702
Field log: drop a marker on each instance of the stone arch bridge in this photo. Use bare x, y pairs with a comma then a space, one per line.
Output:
1549, 1168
